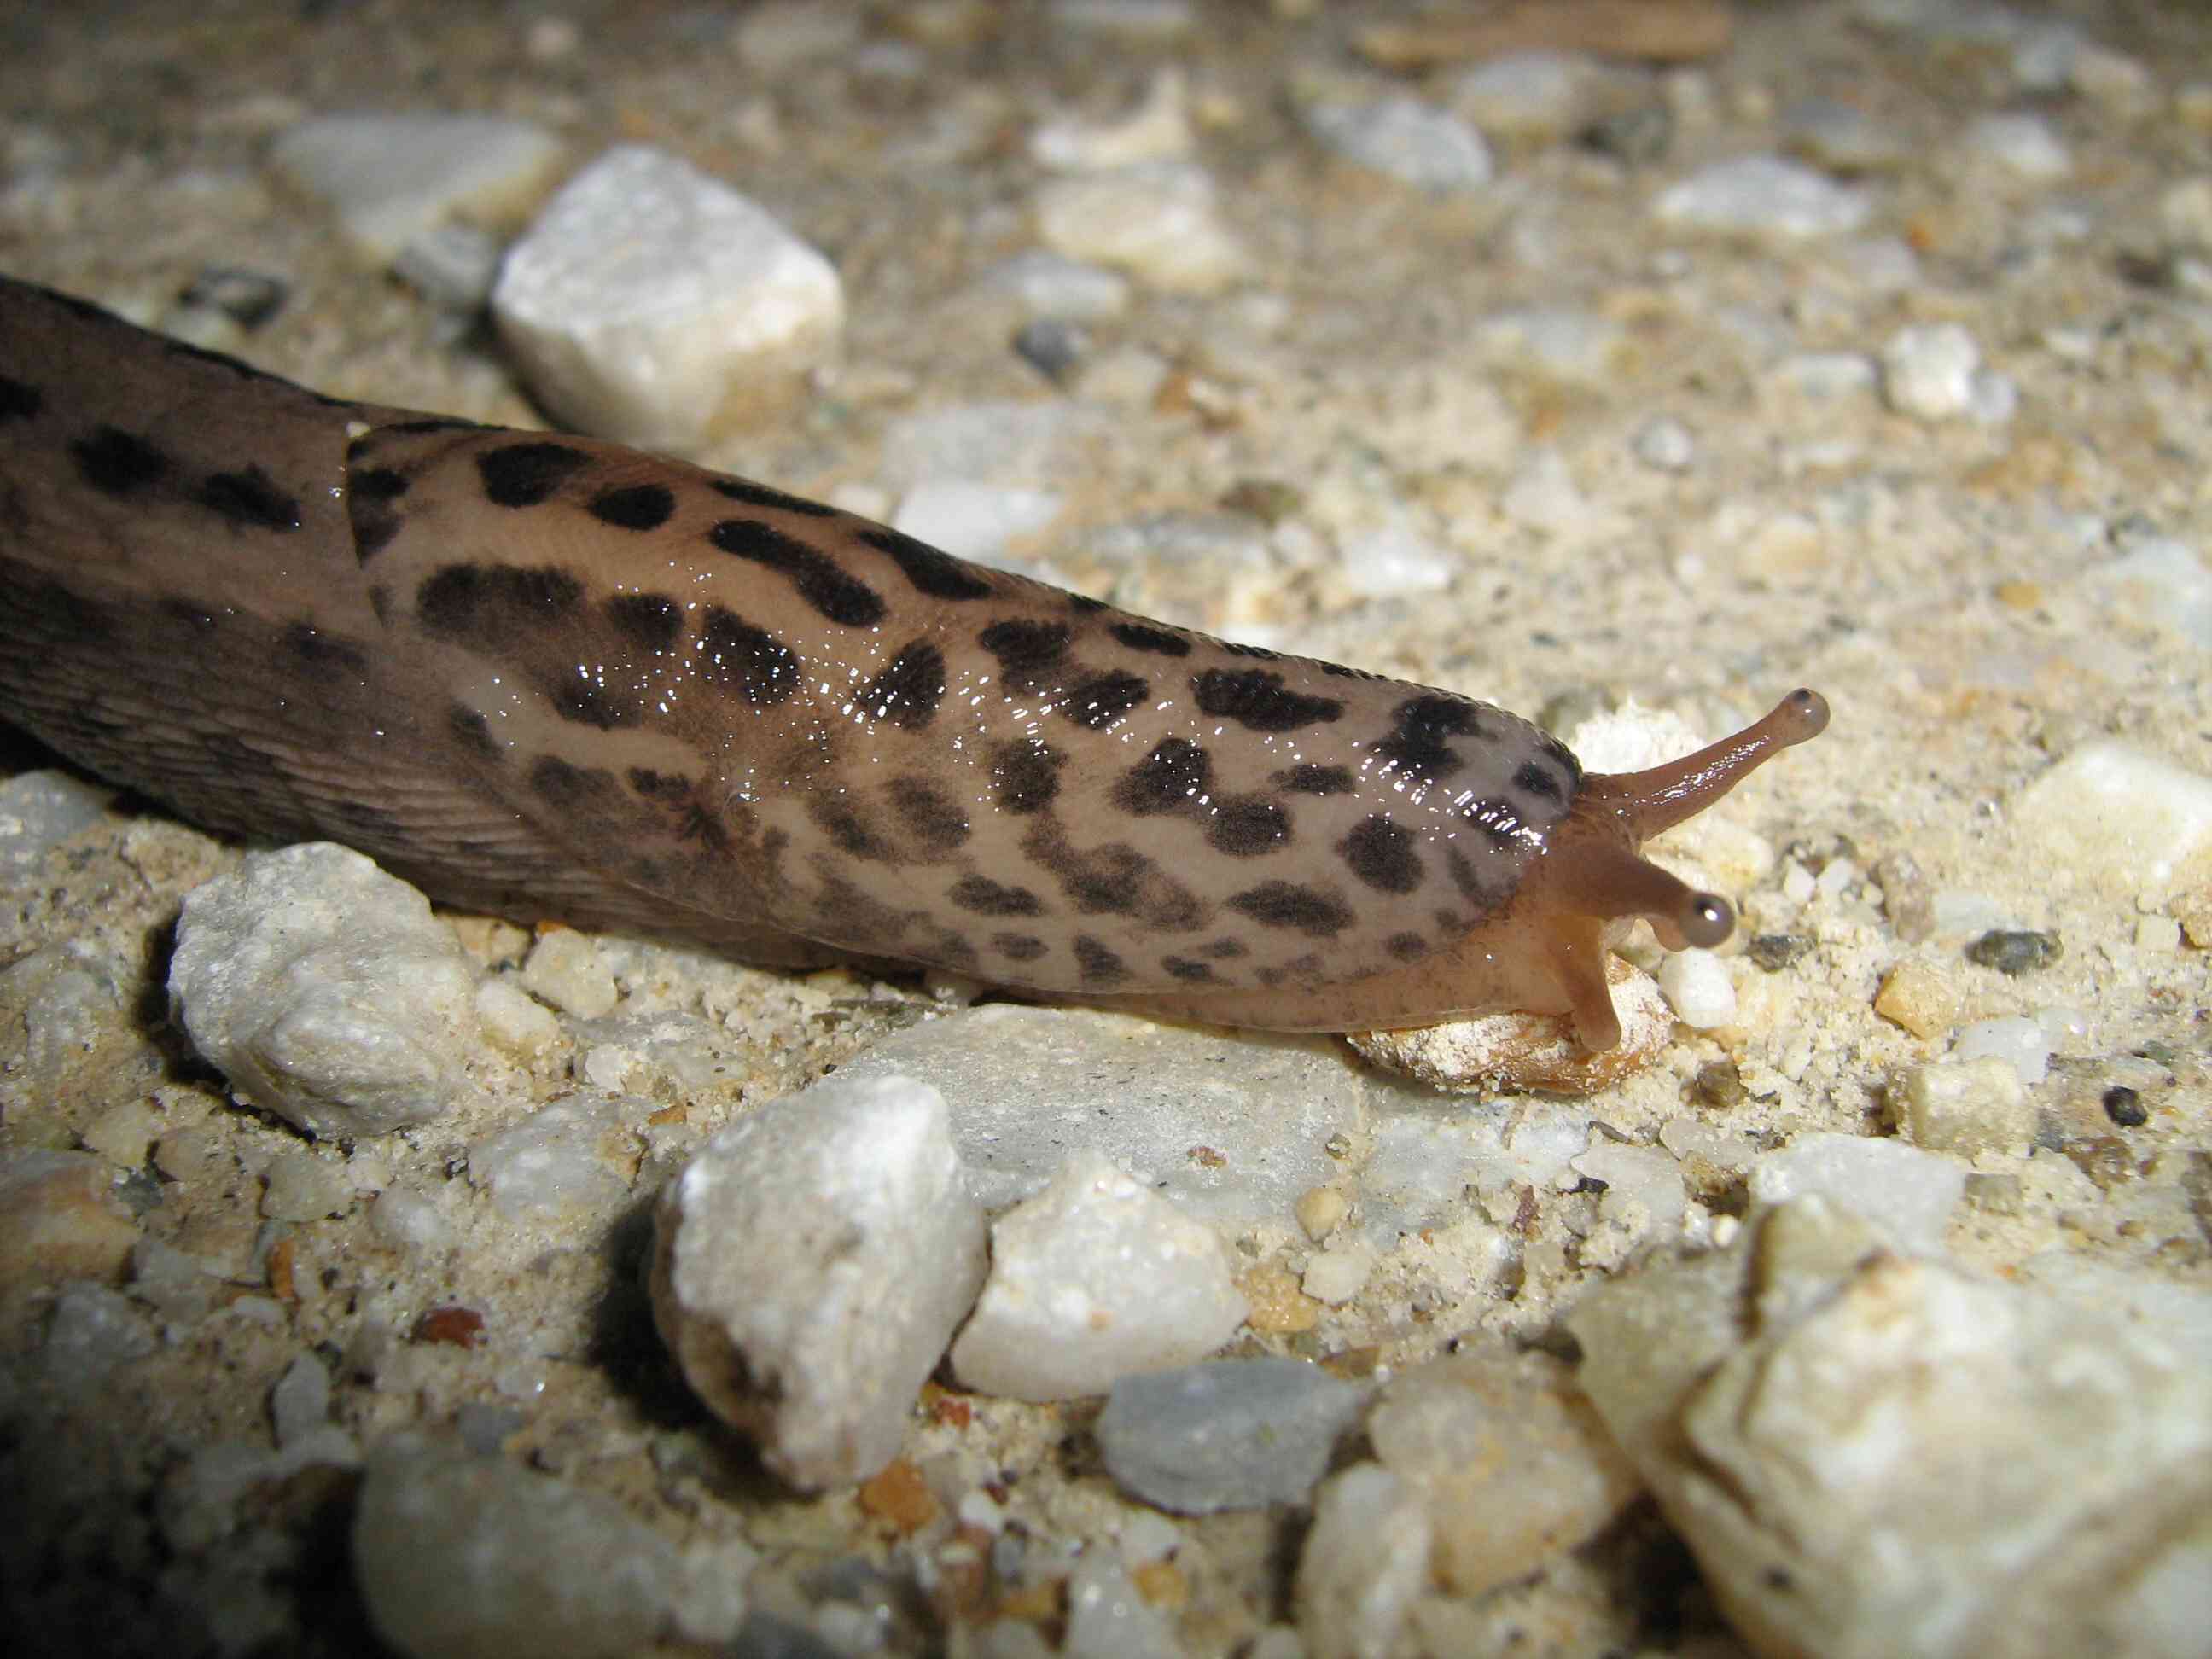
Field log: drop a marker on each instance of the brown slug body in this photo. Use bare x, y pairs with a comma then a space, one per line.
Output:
544, 676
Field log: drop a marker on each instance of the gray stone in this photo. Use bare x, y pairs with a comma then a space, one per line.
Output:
1237, 1434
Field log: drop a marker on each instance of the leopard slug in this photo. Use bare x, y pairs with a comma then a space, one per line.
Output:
544, 676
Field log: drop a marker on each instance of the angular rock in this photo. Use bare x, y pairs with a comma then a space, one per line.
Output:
1237, 1434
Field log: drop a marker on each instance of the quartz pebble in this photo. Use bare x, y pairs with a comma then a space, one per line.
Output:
1665, 444
571, 1155
564, 967
1842, 136
1049, 284
1237, 1434
1364, 1565
1966, 1107
1763, 195
1094, 1280
2020, 144
94, 1329
1392, 561
810, 1266
471, 1558
1157, 221
1108, 1619
651, 303
325, 991
972, 520
2019, 1042
1506, 1456
1405, 139
1697, 986
392, 179
2113, 815
1873, 1454
1906, 1193
41, 809
1536, 94
1928, 371
1157, 130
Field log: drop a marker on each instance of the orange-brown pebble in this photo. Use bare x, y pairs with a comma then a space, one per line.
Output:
281, 1256
60, 1219
1280, 1306
897, 1496
456, 1326
1161, 1584
1918, 998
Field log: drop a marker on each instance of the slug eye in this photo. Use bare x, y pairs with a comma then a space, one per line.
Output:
1707, 920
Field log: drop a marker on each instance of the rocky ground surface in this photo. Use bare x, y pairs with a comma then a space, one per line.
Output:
375, 1280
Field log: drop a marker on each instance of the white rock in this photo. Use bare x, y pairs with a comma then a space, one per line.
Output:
392, 179
571, 1154
2022, 144
1393, 561
653, 304
809, 1267
1763, 195
1697, 985
1824, 375
469, 1558
1157, 130
1107, 1619
41, 809
1561, 341
1530, 95
1544, 496
1364, 1564
1664, 444
407, 1221
2185, 209
302, 1186
1647, 1176
1843, 136
780, 35
1092, 1280
1334, 1276
1929, 370
1157, 221
1966, 1107
1411, 142
1873, 1455
2160, 582
974, 520
1050, 284
2111, 814
300, 1404
93, 1330
564, 967
2020, 1042
513, 1021
1909, 1194
325, 991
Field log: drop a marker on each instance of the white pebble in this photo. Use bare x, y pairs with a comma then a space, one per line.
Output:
2111, 813
1393, 561
565, 969
1050, 284
653, 304
325, 991
392, 179
1364, 1564
2159, 933
410, 1222
1157, 221
300, 1186
974, 520
1966, 1106
2185, 211
300, 1404
1094, 1278
1157, 130
2022, 144
778, 37
1697, 986
1908, 1193
1530, 95
809, 1267
1545, 496
1763, 194
2014, 1039
1842, 136
569, 1155
1411, 142
1107, 1619
514, 1021
1133, 20
1826, 375
1334, 1276
1664, 444
1929, 369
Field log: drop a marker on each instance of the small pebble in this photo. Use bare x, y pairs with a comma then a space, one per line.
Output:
1319, 1211
514, 1021
2022, 144
1364, 1565
1665, 444
390, 179
1916, 996
2124, 1107
1909, 1194
1842, 136
93, 1330
1638, 136
1966, 1107
41, 809
1697, 986
2019, 1042
1393, 562
1928, 371
1157, 221
1411, 142
1234, 1434
1763, 194
569, 1155
1773, 952
1052, 285
250, 299
1157, 130
1052, 346
2015, 953
564, 967
972, 519
1334, 1276
1536, 94
2110, 813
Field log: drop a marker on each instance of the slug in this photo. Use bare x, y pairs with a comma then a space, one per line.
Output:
542, 676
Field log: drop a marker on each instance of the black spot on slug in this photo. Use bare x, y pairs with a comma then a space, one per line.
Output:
1223, 950
117, 463
1100, 700
1380, 854
1189, 972
1024, 647
322, 653
633, 506
586, 702
735, 655
1416, 742
1406, 947
1019, 947
1248, 825
251, 499
369, 495
933, 817
1283, 904
1140, 637
1099, 965
667, 788
527, 474
753, 494
469, 728
987, 897
493, 605
847, 828
1169, 780
1316, 781
1257, 700
1025, 776
930, 570
19, 401
1539, 782
571, 788
646, 622
1116, 879
821, 581
910, 688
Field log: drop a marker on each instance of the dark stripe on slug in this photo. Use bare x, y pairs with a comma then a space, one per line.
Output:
249, 498
1170, 779
669, 788
649, 622
493, 605
1406, 947
587, 702
735, 655
932, 817
1538, 780
1138, 636
848, 830
1019, 947
633, 506
117, 463
1282, 904
320, 651
907, 692
1099, 965
987, 897
1224, 949
1257, 700
1380, 854
571, 787
528, 474
19, 401
1316, 781
1022, 647
1189, 972
369, 494
821, 583
1417, 742
1100, 700
469, 728
1025, 775
931, 570
753, 494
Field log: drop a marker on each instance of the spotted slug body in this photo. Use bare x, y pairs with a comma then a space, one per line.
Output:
542, 676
